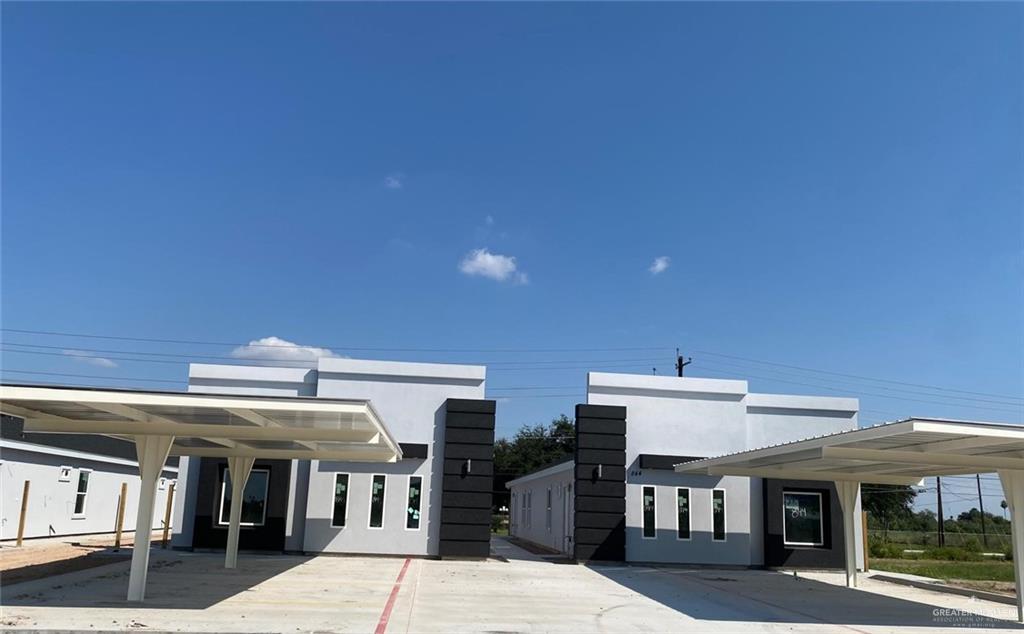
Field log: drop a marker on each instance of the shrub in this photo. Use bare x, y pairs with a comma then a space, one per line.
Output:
1008, 554
971, 544
952, 553
882, 550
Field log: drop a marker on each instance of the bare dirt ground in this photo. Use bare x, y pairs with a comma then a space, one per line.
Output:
40, 558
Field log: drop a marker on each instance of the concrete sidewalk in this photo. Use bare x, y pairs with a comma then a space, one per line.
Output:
519, 593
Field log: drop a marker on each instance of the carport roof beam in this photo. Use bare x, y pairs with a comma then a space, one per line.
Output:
304, 428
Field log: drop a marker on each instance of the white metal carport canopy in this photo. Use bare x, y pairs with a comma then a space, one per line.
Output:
894, 453
240, 428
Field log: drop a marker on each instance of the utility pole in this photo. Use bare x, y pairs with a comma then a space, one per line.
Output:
938, 495
981, 507
680, 364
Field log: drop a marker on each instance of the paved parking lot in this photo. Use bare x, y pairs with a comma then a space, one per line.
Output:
518, 592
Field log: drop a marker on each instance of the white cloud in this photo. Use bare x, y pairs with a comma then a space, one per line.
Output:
498, 267
277, 349
90, 358
489, 219
395, 181
660, 264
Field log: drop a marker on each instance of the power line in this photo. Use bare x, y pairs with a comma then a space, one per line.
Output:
236, 359
891, 389
92, 376
857, 376
856, 393
51, 333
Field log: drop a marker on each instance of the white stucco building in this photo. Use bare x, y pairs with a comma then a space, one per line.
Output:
671, 517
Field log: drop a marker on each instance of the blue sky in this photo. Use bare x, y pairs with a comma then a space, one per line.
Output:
834, 187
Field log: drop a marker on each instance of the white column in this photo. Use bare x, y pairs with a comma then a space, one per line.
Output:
238, 468
1013, 489
848, 492
152, 453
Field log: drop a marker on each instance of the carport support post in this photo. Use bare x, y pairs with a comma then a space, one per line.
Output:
1013, 489
238, 468
848, 492
152, 453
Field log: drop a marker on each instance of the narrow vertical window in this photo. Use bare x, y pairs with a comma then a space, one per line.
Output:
81, 492
377, 501
412, 507
683, 513
547, 516
718, 515
649, 518
340, 512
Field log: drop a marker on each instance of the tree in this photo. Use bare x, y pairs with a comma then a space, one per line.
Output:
534, 446
888, 504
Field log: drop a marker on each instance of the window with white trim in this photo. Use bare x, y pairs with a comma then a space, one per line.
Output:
254, 498
412, 507
377, 501
802, 521
682, 513
650, 515
718, 515
339, 514
81, 493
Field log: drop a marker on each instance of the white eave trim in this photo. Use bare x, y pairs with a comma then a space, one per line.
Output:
543, 473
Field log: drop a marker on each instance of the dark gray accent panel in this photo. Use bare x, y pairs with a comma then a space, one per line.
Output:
777, 553
600, 505
457, 451
470, 406
659, 461
413, 451
600, 483
473, 484
606, 473
469, 436
603, 441
602, 426
466, 420
478, 467
601, 456
601, 489
609, 412
474, 516
468, 479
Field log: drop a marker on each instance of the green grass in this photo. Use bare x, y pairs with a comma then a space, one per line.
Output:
946, 570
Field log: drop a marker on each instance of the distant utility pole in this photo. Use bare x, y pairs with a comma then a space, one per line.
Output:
680, 364
981, 507
938, 495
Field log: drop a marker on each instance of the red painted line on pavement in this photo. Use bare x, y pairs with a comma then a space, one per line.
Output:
382, 624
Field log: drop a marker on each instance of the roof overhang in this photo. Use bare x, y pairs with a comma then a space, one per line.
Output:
209, 425
894, 453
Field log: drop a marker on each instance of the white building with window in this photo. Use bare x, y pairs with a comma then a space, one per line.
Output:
354, 507
74, 483
696, 519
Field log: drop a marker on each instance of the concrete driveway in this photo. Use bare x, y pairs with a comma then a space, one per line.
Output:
515, 592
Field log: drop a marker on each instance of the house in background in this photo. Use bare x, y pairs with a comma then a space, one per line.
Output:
435, 501
75, 482
620, 498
